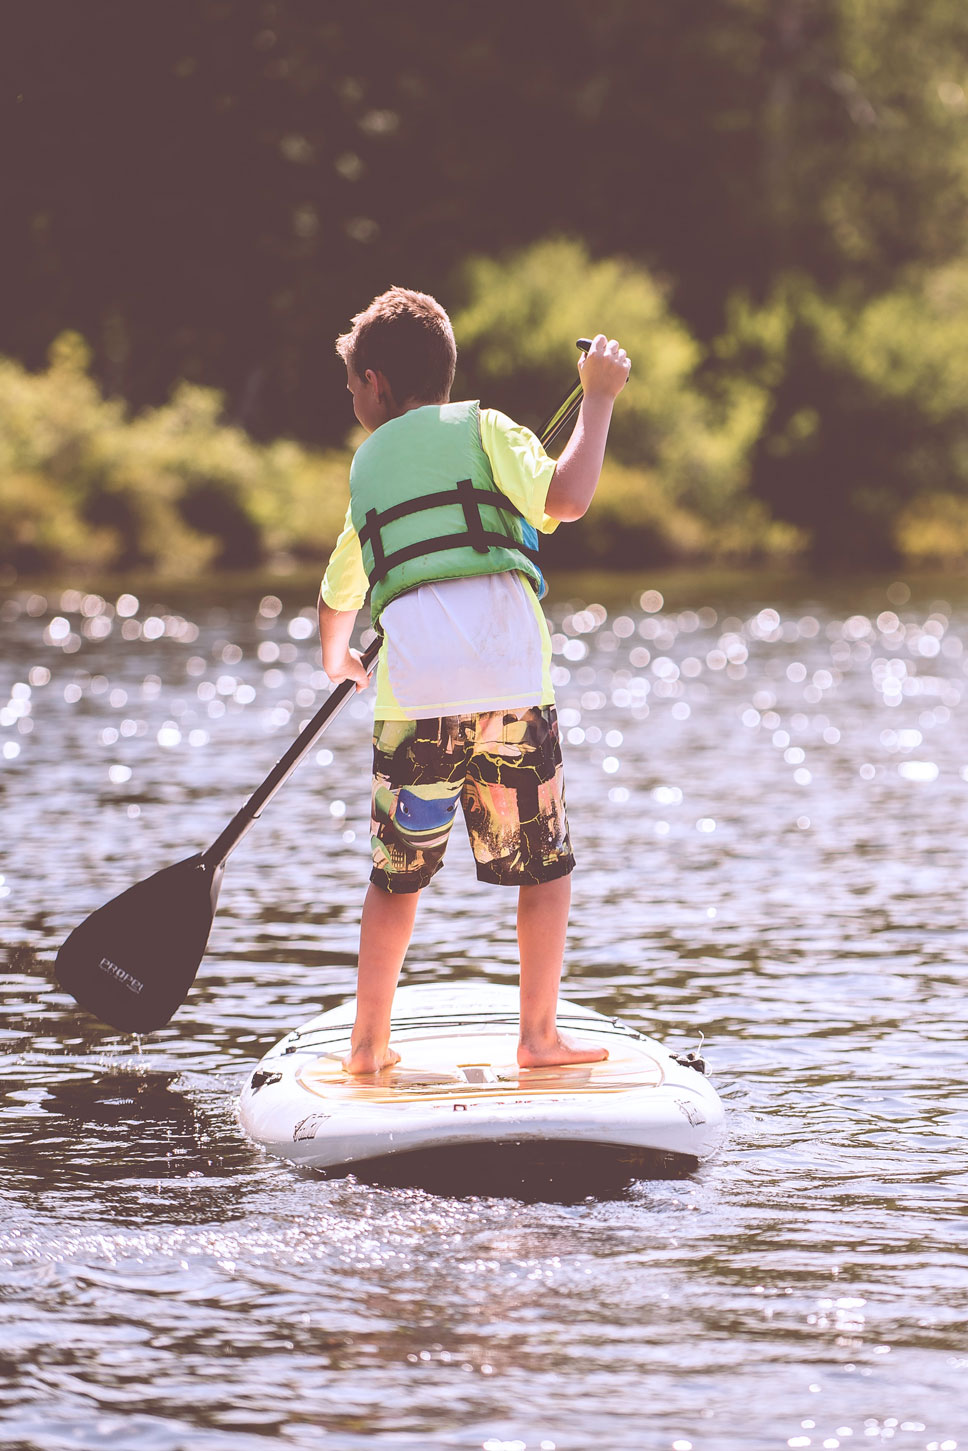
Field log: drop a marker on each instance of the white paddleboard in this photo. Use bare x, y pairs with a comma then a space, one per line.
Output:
457, 1107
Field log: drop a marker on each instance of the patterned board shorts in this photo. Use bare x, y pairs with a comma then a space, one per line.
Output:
502, 767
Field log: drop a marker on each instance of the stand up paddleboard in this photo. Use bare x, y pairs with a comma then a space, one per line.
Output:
457, 1115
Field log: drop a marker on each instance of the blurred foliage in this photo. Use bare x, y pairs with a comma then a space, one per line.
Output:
678, 456
933, 531
830, 425
174, 488
867, 412
207, 190
771, 198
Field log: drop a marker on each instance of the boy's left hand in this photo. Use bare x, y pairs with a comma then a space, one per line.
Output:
351, 668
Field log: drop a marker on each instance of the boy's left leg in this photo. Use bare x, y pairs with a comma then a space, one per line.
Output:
542, 924
414, 802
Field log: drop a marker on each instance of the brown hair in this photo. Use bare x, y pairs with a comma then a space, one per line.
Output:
407, 336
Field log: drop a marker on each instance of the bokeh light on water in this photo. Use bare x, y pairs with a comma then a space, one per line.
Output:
768, 801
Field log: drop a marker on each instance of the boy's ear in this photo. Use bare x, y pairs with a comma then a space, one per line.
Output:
378, 380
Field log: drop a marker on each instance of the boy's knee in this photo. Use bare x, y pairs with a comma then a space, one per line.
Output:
396, 884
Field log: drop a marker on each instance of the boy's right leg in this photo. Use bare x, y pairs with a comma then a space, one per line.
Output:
519, 833
542, 925
385, 932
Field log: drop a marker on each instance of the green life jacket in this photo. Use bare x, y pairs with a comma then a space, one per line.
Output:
426, 508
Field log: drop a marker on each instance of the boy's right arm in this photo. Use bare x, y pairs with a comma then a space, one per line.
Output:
604, 372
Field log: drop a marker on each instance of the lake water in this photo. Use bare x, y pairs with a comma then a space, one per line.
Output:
768, 787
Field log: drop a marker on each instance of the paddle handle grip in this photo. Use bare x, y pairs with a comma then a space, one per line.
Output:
245, 818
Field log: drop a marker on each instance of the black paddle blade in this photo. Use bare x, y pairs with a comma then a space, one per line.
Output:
132, 962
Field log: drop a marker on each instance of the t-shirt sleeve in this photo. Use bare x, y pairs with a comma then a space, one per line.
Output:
345, 583
520, 466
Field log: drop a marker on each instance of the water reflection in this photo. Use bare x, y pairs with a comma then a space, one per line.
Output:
767, 788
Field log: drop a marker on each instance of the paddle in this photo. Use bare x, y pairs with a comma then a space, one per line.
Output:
567, 408
133, 961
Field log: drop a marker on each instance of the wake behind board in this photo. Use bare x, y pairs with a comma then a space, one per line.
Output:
458, 1116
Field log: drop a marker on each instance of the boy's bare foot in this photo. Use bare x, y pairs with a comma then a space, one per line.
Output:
365, 1059
558, 1051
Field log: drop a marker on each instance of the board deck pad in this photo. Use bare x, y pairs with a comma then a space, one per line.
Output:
485, 1068
458, 1115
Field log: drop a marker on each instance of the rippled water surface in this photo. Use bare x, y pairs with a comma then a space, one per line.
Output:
768, 789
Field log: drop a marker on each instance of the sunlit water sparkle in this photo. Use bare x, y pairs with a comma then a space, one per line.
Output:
768, 801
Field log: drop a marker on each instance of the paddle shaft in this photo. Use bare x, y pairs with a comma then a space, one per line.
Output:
567, 408
247, 815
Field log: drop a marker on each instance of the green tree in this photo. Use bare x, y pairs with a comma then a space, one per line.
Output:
678, 458
867, 409
206, 191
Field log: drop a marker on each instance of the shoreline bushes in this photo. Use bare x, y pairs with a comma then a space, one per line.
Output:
815, 427
173, 489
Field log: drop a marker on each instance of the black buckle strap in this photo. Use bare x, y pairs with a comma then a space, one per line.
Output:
436, 546
380, 518
371, 531
472, 515
470, 500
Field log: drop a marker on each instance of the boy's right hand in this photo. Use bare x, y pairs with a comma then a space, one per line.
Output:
604, 369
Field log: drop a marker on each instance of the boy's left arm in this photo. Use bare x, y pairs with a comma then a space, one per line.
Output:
344, 583
335, 632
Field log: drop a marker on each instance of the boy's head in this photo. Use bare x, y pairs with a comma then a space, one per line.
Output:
408, 338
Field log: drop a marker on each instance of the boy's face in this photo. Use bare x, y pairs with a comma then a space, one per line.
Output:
372, 399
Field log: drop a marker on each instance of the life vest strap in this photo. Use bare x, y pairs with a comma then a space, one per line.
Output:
472, 515
434, 546
371, 531
470, 500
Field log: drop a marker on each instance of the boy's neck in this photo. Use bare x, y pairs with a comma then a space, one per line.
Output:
399, 409
413, 403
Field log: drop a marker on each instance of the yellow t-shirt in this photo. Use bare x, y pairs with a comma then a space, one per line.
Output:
464, 645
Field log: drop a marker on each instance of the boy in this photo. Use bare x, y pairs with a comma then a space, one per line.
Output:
446, 501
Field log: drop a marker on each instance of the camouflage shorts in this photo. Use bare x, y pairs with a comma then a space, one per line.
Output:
502, 767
